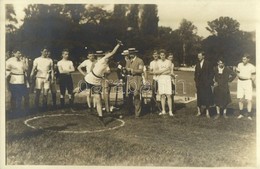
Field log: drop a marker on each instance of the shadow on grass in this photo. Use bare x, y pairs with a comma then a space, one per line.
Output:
16, 115
24, 135
60, 128
146, 108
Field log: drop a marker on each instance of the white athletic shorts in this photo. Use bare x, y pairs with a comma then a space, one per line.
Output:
165, 84
244, 88
42, 83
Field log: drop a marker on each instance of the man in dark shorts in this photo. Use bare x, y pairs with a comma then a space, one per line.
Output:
65, 67
15, 74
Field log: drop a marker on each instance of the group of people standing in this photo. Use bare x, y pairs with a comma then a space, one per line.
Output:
211, 82
41, 77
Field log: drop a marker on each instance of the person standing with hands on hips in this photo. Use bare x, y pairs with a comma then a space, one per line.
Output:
222, 76
88, 64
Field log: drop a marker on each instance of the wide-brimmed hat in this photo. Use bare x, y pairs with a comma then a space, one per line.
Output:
100, 53
125, 53
132, 50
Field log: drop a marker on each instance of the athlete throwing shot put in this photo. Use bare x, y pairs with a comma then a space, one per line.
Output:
93, 80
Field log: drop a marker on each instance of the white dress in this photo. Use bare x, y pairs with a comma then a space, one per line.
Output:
165, 81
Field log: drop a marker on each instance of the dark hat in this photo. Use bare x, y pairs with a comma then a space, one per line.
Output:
132, 50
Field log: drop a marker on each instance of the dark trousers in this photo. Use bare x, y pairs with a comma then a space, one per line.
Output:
154, 92
18, 91
66, 83
134, 101
124, 90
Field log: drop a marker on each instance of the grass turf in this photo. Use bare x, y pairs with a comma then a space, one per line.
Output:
152, 140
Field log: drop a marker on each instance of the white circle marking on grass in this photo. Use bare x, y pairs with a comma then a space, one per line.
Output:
26, 122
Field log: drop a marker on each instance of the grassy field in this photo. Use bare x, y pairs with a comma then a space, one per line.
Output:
152, 140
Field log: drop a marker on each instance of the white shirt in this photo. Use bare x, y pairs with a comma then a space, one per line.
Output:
220, 70
154, 66
99, 69
201, 63
66, 65
16, 67
88, 64
246, 71
43, 65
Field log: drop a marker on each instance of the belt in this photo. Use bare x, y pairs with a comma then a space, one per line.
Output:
17, 74
243, 79
65, 73
96, 75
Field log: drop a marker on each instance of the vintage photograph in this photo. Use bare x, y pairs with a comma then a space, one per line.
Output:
169, 84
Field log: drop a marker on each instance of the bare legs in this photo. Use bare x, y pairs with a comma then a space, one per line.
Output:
163, 102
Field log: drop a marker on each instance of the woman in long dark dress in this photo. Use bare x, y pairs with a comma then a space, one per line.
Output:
222, 76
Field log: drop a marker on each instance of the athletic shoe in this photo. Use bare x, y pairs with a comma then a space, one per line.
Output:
171, 114
240, 116
162, 113
249, 118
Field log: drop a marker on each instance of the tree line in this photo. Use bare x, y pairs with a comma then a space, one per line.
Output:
77, 26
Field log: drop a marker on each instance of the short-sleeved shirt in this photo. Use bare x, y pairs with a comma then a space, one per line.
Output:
43, 65
154, 66
65, 64
99, 70
17, 69
246, 71
88, 64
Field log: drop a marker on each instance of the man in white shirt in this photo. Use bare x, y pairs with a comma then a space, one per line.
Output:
94, 79
105, 82
153, 68
246, 74
65, 67
88, 64
43, 66
164, 79
16, 68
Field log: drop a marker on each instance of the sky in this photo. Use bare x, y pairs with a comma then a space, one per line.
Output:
197, 11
